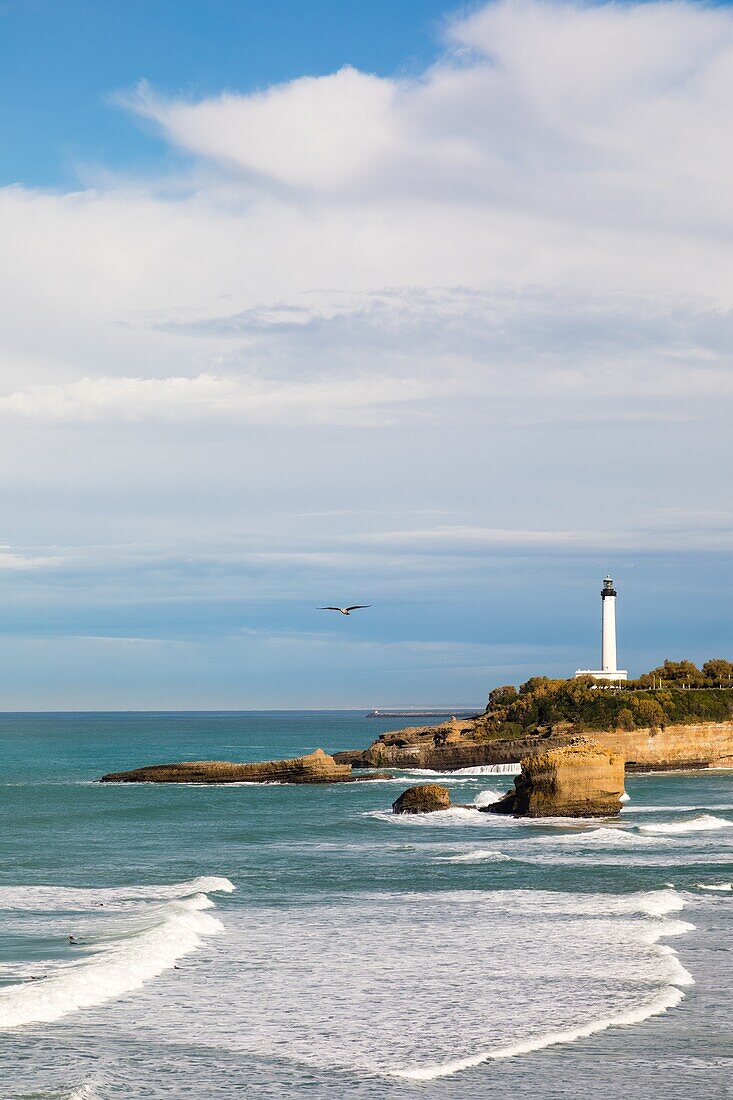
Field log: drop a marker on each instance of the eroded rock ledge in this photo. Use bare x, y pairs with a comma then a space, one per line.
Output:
316, 767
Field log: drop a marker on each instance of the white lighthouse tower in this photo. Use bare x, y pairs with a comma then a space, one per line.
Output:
608, 669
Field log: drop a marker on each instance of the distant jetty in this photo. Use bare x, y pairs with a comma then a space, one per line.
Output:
460, 712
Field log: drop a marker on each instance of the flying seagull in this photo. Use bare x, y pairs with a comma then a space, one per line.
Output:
345, 610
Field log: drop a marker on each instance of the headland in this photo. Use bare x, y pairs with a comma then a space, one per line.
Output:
675, 717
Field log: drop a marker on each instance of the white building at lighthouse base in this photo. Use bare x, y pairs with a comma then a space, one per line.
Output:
603, 674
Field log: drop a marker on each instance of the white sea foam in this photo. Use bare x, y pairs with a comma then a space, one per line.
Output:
718, 886
487, 798
490, 769
589, 962
603, 836
625, 797
695, 825
120, 963
479, 855
85, 1091
55, 898
450, 818
661, 1003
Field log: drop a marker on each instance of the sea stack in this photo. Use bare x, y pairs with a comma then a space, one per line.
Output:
581, 779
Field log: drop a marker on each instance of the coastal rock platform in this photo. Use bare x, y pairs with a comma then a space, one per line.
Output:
316, 767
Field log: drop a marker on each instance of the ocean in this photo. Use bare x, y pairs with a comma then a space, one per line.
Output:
275, 941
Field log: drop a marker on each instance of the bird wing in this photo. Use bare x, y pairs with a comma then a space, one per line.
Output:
328, 609
356, 606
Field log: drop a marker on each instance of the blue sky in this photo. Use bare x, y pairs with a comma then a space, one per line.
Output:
415, 305
60, 62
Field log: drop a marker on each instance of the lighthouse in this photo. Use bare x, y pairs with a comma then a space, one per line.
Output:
608, 669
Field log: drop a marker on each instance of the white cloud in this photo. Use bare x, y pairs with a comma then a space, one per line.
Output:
512, 271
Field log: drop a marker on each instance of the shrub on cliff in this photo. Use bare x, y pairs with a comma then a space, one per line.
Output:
660, 698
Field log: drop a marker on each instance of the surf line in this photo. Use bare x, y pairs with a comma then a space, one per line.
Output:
666, 999
660, 1005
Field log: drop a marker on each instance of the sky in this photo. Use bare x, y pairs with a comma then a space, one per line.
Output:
412, 305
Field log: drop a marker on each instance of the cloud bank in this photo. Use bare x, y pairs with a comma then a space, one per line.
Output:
500, 288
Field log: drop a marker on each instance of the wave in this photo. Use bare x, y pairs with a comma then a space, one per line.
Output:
606, 836
662, 1003
656, 904
588, 962
479, 855
694, 825
720, 886
54, 898
487, 798
450, 818
119, 964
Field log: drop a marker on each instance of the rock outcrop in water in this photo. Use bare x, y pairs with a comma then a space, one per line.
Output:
581, 779
316, 767
425, 799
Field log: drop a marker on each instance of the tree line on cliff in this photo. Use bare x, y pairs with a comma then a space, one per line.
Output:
675, 693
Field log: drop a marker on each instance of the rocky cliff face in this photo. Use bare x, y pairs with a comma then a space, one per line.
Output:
462, 745
317, 767
581, 779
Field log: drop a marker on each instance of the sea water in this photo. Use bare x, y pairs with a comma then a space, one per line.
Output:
274, 940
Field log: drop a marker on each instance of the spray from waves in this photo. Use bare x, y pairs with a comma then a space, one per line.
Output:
656, 904
479, 855
487, 798
121, 964
694, 825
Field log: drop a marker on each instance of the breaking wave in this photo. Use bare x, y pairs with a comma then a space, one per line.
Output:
54, 898
487, 798
480, 855
694, 825
450, 818
719, 886
588, 962
112, 963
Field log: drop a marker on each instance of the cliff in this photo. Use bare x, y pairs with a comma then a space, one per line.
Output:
581, 779
316, 767
702, 745
682, 721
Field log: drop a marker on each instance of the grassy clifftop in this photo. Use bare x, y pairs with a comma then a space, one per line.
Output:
676, 693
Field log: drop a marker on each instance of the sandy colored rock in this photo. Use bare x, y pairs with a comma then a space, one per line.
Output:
693, 745
582, 779
316, 767
425, 799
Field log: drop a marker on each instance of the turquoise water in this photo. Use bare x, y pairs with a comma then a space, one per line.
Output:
281, 941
